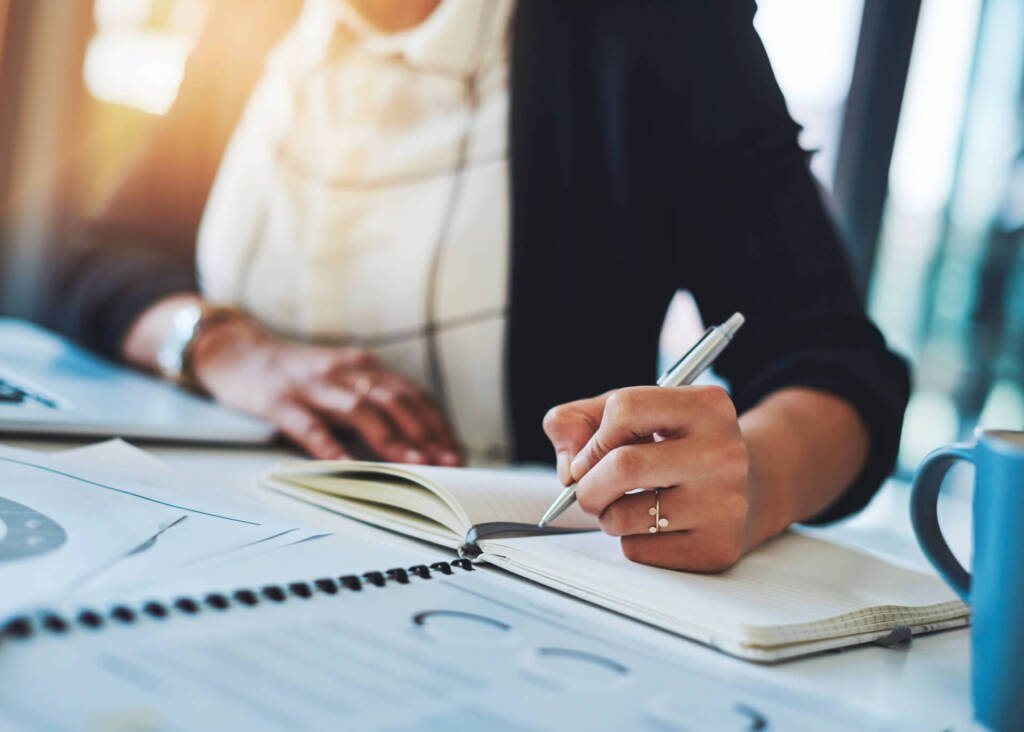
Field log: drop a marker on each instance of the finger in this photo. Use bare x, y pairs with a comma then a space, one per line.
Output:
693, 551
418, 418
412, 412
357, 413
440, 427
403, 411
680, 508
309, 432
691, 461
446, 446
635, 513
639, 412
569, 426
399, 401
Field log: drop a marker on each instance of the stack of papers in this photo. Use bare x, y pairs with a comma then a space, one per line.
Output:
111, 516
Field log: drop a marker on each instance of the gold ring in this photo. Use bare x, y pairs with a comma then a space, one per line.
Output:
660, 522
363, 386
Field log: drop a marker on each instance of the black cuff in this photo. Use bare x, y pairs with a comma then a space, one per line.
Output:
102, 297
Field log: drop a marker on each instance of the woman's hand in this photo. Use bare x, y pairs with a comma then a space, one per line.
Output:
310, 392
685, 441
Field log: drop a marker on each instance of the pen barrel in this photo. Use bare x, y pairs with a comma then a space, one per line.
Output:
697, 360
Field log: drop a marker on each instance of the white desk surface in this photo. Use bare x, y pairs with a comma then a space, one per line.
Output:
929, 682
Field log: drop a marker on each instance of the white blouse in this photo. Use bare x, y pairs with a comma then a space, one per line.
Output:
363, 200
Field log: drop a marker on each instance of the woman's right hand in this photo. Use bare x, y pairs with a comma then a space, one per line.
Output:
312, 393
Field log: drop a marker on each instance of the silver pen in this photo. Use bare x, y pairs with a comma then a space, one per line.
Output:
685, 371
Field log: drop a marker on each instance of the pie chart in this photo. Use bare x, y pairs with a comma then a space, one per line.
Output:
26, 533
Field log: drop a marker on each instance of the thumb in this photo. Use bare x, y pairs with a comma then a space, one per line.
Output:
569, 426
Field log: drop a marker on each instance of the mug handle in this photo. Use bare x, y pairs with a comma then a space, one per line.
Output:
924, 499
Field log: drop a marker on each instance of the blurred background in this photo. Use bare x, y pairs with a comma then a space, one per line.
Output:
914, 110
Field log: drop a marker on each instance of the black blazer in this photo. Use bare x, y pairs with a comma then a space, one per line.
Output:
651, 151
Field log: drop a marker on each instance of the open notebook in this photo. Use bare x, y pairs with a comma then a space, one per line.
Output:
793, 596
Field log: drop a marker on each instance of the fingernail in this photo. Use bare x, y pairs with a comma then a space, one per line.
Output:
562, 466
449, 458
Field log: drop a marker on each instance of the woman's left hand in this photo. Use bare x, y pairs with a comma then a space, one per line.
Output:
685, 441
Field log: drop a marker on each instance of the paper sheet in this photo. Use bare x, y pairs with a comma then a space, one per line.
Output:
219, 522
59, 527
465, 652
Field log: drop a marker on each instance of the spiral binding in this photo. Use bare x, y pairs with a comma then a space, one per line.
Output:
25, 626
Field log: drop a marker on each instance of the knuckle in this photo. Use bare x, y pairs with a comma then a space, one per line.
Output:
619, 406
599, 450
554, 417
624, 463
719, 401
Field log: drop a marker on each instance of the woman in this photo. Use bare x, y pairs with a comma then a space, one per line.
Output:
362, 205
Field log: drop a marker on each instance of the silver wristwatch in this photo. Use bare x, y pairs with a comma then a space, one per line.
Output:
174, 358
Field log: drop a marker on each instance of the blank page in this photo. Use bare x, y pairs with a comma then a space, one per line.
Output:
793, 589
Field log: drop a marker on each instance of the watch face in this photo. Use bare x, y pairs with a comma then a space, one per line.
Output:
24, 532
171, 356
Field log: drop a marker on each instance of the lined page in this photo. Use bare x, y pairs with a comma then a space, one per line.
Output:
794, 589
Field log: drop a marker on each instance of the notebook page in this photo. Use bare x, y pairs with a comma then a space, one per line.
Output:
521, 495
795, 588
476, 495
405, 495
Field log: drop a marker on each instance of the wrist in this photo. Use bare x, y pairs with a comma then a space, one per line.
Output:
770, 510
805, 449
221, 340
770, 487
188, 325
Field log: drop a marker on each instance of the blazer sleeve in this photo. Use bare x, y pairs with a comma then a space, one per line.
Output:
761, 242
140, 247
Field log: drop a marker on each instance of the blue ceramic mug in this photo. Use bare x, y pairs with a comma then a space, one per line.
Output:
995, 589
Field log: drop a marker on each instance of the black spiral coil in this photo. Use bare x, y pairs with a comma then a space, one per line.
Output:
24, 626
